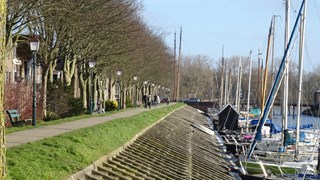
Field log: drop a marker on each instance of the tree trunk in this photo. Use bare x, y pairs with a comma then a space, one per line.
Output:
45, 74
76, 92
2, 79
69, 70
83, 90
52, 66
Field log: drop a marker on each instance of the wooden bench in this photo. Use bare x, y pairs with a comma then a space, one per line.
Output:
15, 118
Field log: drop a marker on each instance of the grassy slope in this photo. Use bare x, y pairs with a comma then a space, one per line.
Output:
61, 156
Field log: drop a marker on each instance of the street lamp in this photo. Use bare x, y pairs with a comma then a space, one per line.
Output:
119, 72
92, 63
34, 47
135, 78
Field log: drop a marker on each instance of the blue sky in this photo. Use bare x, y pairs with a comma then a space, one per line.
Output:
239, 25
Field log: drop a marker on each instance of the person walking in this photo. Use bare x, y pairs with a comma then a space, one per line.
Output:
158, 100
155, 101
99, 106
145, 100
149, 101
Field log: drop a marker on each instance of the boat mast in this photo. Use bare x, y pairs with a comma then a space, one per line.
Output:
175, 66
248, 97
179, 67
301, 53
222, 81
259, 75
272, 64
286, 74
238, 86
274, 89
226, 93
265, 77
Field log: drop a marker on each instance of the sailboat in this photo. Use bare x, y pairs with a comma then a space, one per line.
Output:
283, 168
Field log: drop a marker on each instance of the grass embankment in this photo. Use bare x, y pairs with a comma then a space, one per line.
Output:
61, 156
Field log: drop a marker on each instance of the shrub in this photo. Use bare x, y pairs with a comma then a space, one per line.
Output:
128, 102
111, 105
76, 107
60, 100
51, 116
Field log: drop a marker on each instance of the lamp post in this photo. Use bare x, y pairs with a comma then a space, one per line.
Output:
119, 72
34, 47
135, 78
152, 89
92, 63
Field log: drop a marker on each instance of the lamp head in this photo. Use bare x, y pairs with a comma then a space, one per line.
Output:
118, 72
92, 63
34, 44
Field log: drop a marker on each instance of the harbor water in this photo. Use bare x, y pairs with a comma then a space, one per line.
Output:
292, 118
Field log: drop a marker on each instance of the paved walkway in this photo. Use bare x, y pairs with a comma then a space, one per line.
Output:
31, 135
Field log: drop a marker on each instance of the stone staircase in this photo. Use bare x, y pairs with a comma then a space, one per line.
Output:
172, 149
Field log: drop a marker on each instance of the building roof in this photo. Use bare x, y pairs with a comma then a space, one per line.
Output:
226, 106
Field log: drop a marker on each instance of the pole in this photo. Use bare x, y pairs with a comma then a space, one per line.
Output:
226, 93
259, 75
179, 68
90, 92
248, 96
273, 49
265, 77
301, 52
222, 80
135, 95
175, 67
34, 102
119, 94
286, 74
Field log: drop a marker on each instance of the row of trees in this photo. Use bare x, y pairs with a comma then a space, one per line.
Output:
109, 32
202, 76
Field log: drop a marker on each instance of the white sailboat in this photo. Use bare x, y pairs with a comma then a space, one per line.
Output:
258, 136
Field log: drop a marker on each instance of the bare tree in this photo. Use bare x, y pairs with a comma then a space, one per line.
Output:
196, 77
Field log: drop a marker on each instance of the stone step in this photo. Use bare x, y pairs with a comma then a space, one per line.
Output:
166, 160
92, 177
156, 164
120, 171
139, 167
109, 174
127, 168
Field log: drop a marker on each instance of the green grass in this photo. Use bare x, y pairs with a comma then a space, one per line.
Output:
61, 156
58, 121
253, 168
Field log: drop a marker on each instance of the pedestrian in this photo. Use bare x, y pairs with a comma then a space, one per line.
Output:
99, 106
149, 101
155, 100
145, 100
158, 100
